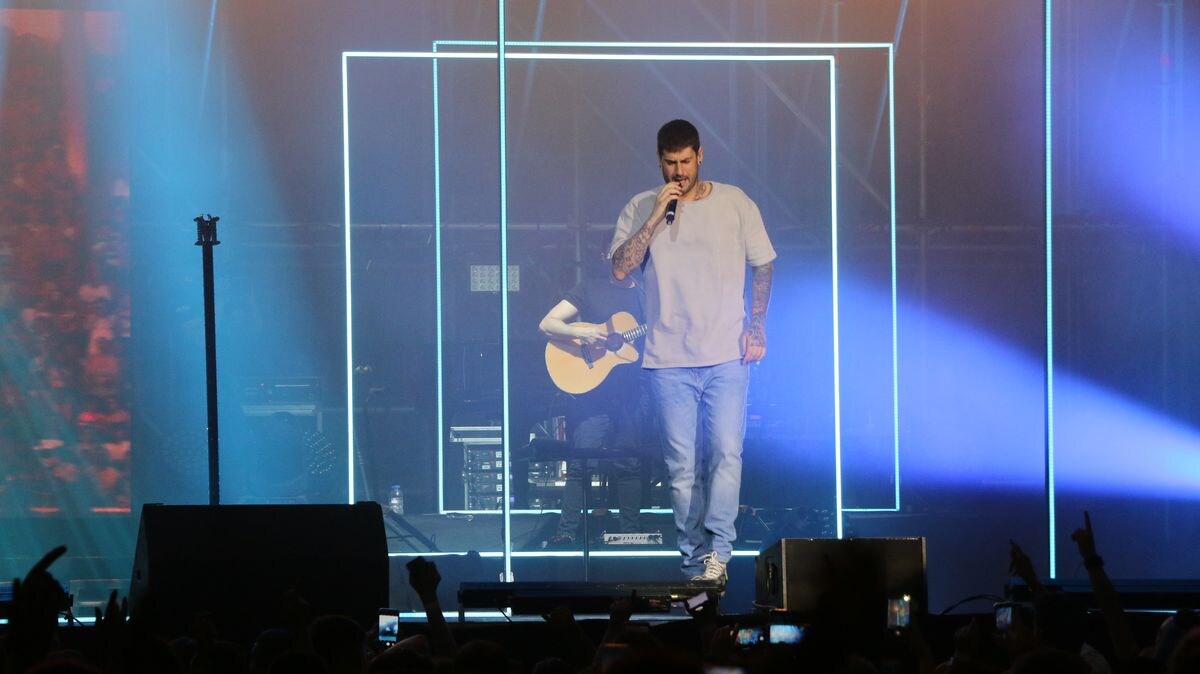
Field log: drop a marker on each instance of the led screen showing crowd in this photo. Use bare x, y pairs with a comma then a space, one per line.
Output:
64, 264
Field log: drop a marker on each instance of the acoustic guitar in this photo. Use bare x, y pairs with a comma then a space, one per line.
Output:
578, 368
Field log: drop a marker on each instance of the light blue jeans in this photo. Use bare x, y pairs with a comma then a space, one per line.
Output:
703, 419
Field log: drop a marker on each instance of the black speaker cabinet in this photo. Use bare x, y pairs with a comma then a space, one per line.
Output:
829, 576
236, 562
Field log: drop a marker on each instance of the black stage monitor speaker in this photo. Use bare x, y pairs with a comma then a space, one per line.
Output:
237, 562
829, 576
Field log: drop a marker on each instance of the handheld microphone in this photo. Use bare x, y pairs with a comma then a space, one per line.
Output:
671, 211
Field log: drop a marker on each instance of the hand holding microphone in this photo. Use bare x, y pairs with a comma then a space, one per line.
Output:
672, 190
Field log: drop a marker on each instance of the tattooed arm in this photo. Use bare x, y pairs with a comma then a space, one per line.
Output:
754, 336
629, 255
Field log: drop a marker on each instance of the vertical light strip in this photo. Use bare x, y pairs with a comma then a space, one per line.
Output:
349, 294
208, 47
895, 387
837, 366
1049, 191
895, 336
437, 291
506, 505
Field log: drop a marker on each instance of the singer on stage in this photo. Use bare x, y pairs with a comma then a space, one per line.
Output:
692, 240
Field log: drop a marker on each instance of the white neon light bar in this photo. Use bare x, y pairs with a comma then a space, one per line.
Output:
671, 45
600, 56
713, 45
892, 245
439, 355
420, 54
589, 56
349, 294
1049, 190
895, 322
837, 358
505, 503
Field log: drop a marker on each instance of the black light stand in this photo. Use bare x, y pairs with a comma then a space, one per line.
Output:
206, 238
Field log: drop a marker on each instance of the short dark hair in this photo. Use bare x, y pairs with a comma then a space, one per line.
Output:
676, 135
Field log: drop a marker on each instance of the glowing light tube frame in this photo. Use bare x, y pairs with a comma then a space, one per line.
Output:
892, 230
1047, 35
503, 283
435, 55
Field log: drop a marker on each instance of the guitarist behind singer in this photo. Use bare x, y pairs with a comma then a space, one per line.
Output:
615, 414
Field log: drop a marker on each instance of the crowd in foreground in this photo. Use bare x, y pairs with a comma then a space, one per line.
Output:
1049, 634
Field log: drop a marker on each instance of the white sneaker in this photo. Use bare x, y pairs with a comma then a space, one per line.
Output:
714, 570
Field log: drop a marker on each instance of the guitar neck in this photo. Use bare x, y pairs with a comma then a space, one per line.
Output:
639, 331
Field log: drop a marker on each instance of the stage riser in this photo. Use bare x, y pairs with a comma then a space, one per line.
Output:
455, 569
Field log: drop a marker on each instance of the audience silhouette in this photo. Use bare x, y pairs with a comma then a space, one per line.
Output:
1055, 632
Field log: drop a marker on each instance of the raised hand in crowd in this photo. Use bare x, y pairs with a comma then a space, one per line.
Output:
110, 621
33, 620
1021, 566
618, 617
574, 646
424, 578
112, 630
1125, 645
1085, 540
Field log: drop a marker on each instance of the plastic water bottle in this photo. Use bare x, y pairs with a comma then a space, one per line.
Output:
396, 500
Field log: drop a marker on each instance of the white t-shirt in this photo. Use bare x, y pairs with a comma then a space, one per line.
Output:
696, 275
